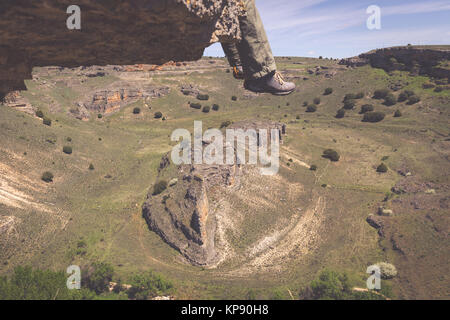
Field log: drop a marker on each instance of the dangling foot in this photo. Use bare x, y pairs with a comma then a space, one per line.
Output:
272, 83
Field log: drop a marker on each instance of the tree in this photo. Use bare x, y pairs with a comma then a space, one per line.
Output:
390, 100
366, 108
39, 113
331, 154
373, 117
47, 121
397, 113
382, 168
380, 94
349, 104
328, 91
340, 113
311, 108
136, 110
148, 285
316, 101
98, 276
413, 100
203, 97
215, 107
47, 176
158, 115
67, 149
206, 109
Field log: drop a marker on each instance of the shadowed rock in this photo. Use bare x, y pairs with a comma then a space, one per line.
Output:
34, 33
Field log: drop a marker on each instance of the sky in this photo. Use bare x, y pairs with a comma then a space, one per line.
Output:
338, 28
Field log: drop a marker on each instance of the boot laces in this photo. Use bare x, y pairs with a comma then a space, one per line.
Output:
279, 78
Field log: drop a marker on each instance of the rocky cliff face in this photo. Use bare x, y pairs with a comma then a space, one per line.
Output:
34, 33
181, 215
418, 61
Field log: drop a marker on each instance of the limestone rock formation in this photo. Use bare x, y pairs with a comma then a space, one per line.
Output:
35, 33
181, 215
418, 61
112, 99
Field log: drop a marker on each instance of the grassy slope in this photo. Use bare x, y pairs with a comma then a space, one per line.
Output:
106, 212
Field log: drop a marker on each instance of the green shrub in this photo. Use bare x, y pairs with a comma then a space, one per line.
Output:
428, 85
47, 121
366, 108
331, 154
203, 97
332, 285
98, 277
159, 187
373, 117
137, 110
206, 109
397, 113
215, 107
158, 115
47, 176
67, 149
311, 108
439, 89
349, 104
197, 106
39, 113
91, 167
99, 116
340, 113
69, 139
413, 100
390, 100
380, 94
382, 168
305, 104
225, 124
328, 91
148, 285
402, 97
234, 98
313, 167
349, 96
360, 95
316, 101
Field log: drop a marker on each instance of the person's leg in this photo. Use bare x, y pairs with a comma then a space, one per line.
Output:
254, 48
234, 59
260, 69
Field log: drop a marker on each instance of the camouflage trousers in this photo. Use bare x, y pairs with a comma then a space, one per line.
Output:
253, 52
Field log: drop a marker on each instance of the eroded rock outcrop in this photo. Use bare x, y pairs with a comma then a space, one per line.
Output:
181, 215
34, 33
417, 60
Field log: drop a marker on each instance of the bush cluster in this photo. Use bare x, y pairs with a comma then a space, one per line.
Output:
47, 176
331, 154
373, 117
380, 94
203, 97
366, 108
328, 91
340, 113
311, 108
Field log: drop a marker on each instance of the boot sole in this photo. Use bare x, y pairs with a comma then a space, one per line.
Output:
275, 93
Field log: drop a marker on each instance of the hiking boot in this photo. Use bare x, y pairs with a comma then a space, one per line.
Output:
272, 83
238, 72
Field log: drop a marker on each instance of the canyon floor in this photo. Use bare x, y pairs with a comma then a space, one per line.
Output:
275, 234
